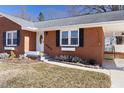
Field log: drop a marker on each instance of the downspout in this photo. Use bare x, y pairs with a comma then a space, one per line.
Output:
98, 44
113, 46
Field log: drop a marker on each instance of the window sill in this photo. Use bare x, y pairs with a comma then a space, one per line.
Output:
68, 49
11, 45
9, 48
69, 45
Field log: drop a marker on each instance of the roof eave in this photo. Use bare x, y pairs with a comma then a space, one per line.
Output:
98, 24
30, 29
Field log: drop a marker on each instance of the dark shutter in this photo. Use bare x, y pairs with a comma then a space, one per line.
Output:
4, 38
57, 38
81, 37
18, 37
119, 39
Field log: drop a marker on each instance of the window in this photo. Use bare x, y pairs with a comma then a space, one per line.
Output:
119, 40
74, 37
65, 38
11, 38
15, 38
69, 38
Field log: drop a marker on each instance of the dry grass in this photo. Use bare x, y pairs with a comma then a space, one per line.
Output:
50, 76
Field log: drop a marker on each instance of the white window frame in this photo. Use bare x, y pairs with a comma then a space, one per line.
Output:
12, 33
69, 38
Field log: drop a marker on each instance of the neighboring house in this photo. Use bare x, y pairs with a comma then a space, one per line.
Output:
81, 36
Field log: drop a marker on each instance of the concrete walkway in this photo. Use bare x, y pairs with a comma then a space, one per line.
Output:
113, 68
116, 69
78, 67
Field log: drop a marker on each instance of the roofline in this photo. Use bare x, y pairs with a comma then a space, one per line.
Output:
22, 26
33, 28
8, 18
60, 18
77, 16
98, 24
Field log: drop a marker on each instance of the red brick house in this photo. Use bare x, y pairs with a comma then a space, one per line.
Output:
15, 37
81, 36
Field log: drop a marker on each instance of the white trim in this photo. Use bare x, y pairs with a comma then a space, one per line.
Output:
11, 38
31, 29
69, 37
67, 49
39, 46
9, 48
61, 38
88, 25
32, 53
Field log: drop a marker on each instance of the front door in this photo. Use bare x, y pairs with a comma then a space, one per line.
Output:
40, 41
26, 44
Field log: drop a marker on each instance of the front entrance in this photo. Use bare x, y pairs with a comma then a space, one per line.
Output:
114, 45
27, 43
40, 41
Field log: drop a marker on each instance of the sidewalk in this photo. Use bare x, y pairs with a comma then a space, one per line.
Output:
116, 68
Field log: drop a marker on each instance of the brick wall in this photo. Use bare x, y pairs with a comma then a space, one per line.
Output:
91, 49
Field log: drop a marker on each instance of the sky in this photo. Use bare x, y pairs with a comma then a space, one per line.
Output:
33, 10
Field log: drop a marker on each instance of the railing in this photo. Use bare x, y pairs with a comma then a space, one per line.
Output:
48, 47
108, 48
119, 48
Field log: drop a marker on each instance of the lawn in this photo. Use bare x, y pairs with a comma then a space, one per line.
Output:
43, 75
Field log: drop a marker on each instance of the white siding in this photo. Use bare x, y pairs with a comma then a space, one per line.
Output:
119, 48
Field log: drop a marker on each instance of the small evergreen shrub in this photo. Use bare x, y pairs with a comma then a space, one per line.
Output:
4, 55
92, 62
41, 53
21, 56
75, 59
12, 54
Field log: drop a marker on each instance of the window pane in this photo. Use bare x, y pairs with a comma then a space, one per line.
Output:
9, 35
65, 41
15, 38
15, 35
65, 34
14, 41
74, 41
74, 34
9, 41
119, 39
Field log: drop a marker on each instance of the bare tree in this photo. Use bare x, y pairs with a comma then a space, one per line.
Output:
23, 13
92, 9
54, 14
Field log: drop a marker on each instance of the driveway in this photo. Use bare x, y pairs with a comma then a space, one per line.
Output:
116, 70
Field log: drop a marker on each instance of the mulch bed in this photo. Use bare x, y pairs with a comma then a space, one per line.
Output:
81, 65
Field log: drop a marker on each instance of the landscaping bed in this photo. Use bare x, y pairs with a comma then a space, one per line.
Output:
74, 60
12, 58
81, 65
